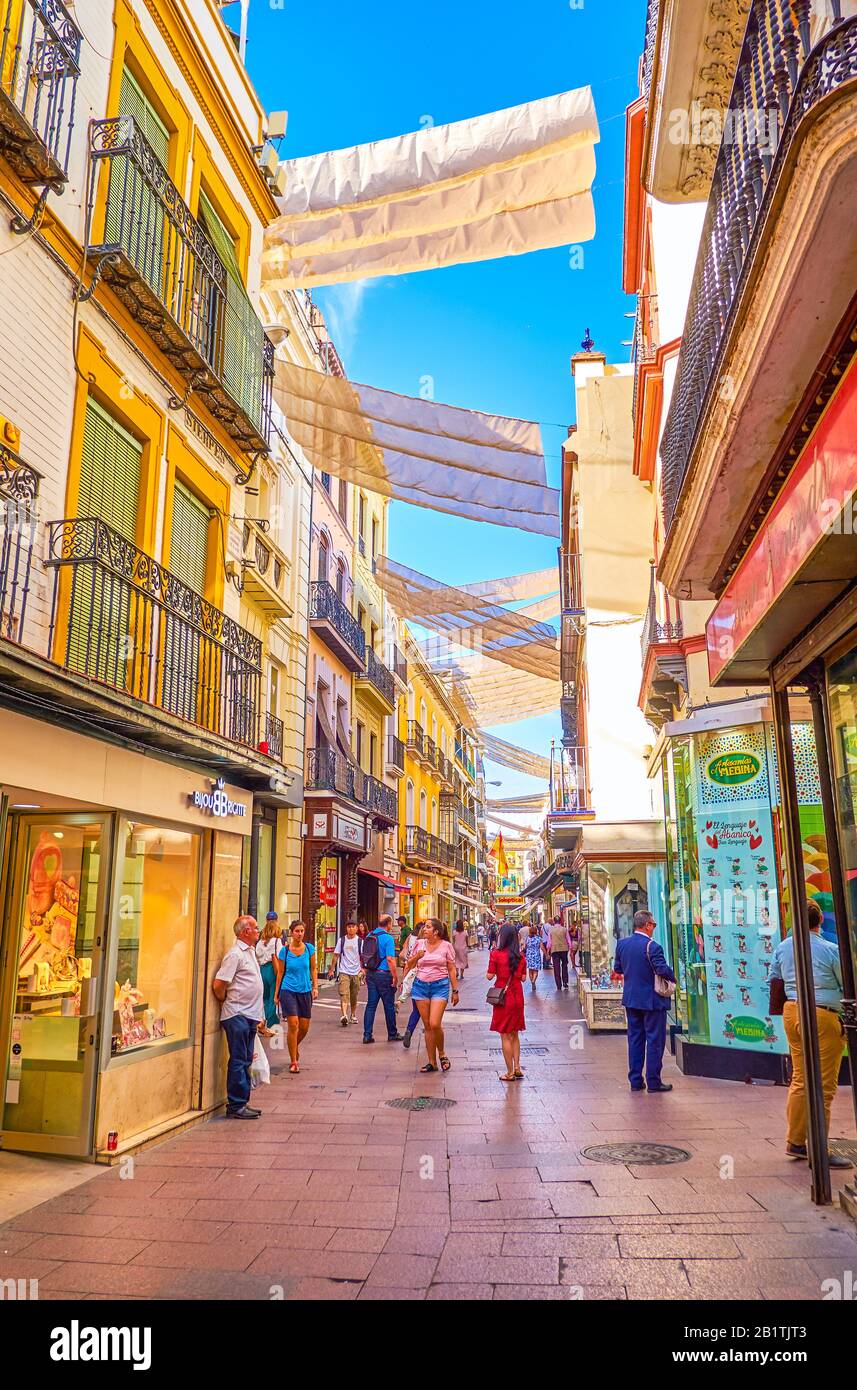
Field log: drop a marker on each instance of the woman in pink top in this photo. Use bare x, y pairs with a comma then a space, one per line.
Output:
434, 962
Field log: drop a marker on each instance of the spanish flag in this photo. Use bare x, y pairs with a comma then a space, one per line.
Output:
497, 852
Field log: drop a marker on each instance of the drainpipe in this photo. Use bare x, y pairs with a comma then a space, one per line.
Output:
253, 883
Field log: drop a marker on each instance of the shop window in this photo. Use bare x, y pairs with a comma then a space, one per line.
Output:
156, 931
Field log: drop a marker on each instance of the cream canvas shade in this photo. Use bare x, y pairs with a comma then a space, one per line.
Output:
462, 462
494, 694
513, 181
513, 756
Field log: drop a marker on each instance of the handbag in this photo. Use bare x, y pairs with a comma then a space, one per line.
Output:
665, 988
496, 995
776, 997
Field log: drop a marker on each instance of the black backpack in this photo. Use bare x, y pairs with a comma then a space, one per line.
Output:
370, 956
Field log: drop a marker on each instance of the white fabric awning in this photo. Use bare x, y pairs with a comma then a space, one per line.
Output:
462, 462
513, 756
509, 182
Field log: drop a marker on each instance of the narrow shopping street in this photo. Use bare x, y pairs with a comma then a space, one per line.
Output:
335, 1194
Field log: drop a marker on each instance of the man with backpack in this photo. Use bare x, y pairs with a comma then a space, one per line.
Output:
379, 963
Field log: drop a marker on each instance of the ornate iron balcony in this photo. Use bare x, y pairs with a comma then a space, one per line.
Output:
328, 770
381, 801
380, 677
416, 738
121, 619
159, 261
416, 842
779, 78
569, 789
39, 67
340, 628
395, 753
400, 666
19, 489
274, 736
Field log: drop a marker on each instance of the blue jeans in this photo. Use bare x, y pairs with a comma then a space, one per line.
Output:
414, 1018
647, 1036
379, 986
240, 1035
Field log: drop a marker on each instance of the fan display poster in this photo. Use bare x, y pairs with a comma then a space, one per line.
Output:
738, 907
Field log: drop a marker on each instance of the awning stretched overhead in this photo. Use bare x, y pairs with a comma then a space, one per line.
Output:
385, 879
517, 803
496, 185
543, 884
511, 755
462, 462
495, 694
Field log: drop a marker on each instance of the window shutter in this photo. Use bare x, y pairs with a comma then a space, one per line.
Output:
241, 361
189, 538
134, 102
134, 218
109, 472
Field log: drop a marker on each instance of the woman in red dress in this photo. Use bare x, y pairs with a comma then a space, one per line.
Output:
507, 967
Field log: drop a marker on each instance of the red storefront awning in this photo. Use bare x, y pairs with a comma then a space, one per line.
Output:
383, 878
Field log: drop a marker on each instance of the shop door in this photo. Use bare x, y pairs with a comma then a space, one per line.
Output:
54, 936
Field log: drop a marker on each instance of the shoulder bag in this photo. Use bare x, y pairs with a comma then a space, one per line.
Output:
665, 988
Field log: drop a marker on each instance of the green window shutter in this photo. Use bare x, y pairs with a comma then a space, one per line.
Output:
109, 472
189, 538
134, 218
106, 619
240, 360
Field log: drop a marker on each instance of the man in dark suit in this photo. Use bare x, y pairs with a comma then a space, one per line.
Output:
638, 961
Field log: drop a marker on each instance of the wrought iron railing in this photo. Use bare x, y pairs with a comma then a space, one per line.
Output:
329, 770
779, 78
39, 67
430, 751
381, 800
416, 738
19, 490
400, 666
467, 817
569, 784
325, 606
378, 675
121, 619
570, 582
274, 736
157, 257
395, 752
654, 631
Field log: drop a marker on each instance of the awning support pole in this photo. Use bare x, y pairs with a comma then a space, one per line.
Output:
792, 844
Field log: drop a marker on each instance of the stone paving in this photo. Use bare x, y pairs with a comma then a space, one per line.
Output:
333, 1194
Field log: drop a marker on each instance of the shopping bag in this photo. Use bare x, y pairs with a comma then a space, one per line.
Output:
260, 1069
407, 985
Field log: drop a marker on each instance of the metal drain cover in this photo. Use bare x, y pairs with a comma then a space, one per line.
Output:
421, 1103
844, 1148
651, 1154
525, 1051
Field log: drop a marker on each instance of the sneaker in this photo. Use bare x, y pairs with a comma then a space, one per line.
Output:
366, 1041
796, 1151
406, 1037
244, 1114
661, 1086
397, 1037
344, 1021
835, 1161
353, 1018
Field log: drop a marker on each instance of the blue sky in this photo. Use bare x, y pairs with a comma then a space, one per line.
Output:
496, 336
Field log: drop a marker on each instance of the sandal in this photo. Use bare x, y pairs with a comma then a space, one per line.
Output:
428, 1067
294, 1068
445, 1064
505, 1078
517, 1076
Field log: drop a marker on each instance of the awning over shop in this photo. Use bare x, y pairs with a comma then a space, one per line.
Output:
543, 884
383, 878
467, 902
501, 184
636, 839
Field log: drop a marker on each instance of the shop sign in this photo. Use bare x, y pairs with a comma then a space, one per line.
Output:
216, 802
350, 832
328, 888
733, 769
319, 827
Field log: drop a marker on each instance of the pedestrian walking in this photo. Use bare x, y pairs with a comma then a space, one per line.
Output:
265, 951
827, 979
297, 987
507, 967
346, 957
379, 963
573, 945
560, 945
436, 983
533, 953
238, 989
410, 947
492, 935
459, 946
404, 931
642, 963
480, 935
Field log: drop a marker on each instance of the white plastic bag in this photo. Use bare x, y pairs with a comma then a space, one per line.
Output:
260, 1068
407, 985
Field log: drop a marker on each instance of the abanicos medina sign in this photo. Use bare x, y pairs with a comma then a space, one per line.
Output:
733, 769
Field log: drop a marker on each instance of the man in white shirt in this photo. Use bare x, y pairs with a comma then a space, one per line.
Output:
347, 956
238, 988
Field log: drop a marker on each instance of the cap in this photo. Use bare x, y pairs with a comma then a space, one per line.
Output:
272, 917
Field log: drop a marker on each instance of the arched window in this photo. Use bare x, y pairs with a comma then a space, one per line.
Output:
423, 714
433, 816
409, 803
423, 810
411, 702
340, 580
323, 556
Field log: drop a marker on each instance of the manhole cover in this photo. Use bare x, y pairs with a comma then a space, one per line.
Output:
844, 1148
651, 1154
525, 1051
420, 1103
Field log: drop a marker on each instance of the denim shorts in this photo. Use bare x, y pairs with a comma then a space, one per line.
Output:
296, 1003
431, 989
